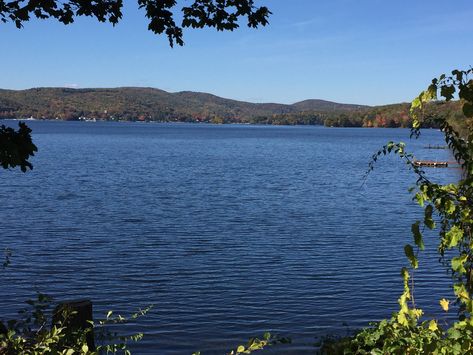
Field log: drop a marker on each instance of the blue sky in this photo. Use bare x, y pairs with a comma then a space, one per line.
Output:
352, 51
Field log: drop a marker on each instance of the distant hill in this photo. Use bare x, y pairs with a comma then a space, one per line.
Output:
322, 105
131, 103
149, 104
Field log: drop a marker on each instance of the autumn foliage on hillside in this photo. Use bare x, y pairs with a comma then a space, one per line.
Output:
148, 104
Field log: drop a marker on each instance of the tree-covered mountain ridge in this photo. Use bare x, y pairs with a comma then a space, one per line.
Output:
150, 104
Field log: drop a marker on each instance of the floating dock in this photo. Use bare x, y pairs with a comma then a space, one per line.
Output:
431, 163
436, 147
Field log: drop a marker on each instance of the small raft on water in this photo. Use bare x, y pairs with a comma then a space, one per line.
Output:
431, 163
436, 147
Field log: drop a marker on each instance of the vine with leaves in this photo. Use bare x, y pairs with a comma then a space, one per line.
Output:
451, 205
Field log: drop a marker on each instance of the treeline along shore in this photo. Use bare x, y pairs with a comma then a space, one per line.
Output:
149, 104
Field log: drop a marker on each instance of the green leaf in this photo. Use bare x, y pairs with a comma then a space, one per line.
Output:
410, 255
428, 221
420, 199
453, 236
401, 318
240, 349
418, 240
416, 103
449, 207
431, 93
405, 274
458, 263
433, 325
466, 92
444, 303
454, 333
461, 292
458, 74
447, 92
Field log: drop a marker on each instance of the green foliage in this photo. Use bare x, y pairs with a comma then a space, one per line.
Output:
452, 205
222, 15
35, 333
255, 344
16, 147
390, 337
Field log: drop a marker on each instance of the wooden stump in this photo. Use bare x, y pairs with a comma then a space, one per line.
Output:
79, 319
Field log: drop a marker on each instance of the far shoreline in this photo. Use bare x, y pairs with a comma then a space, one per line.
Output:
194, 123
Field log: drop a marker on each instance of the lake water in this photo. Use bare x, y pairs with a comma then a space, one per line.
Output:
229, 231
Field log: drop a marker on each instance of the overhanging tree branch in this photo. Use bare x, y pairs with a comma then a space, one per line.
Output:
16, 147
222, 15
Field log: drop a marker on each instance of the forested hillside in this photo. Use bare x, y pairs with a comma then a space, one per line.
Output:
132, 104
148, 104
396, 115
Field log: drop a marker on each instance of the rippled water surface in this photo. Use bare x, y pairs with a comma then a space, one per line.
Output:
229, 231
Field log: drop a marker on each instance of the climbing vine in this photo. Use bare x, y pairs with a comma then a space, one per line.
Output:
447, 209
452, 203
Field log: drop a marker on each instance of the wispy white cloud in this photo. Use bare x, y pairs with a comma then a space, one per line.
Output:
301, 25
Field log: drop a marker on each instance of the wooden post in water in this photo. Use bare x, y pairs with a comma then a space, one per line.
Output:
75, 315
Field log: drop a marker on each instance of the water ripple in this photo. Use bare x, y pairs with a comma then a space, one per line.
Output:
228, 231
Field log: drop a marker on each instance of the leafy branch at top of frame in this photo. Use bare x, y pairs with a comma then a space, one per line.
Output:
164, 16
